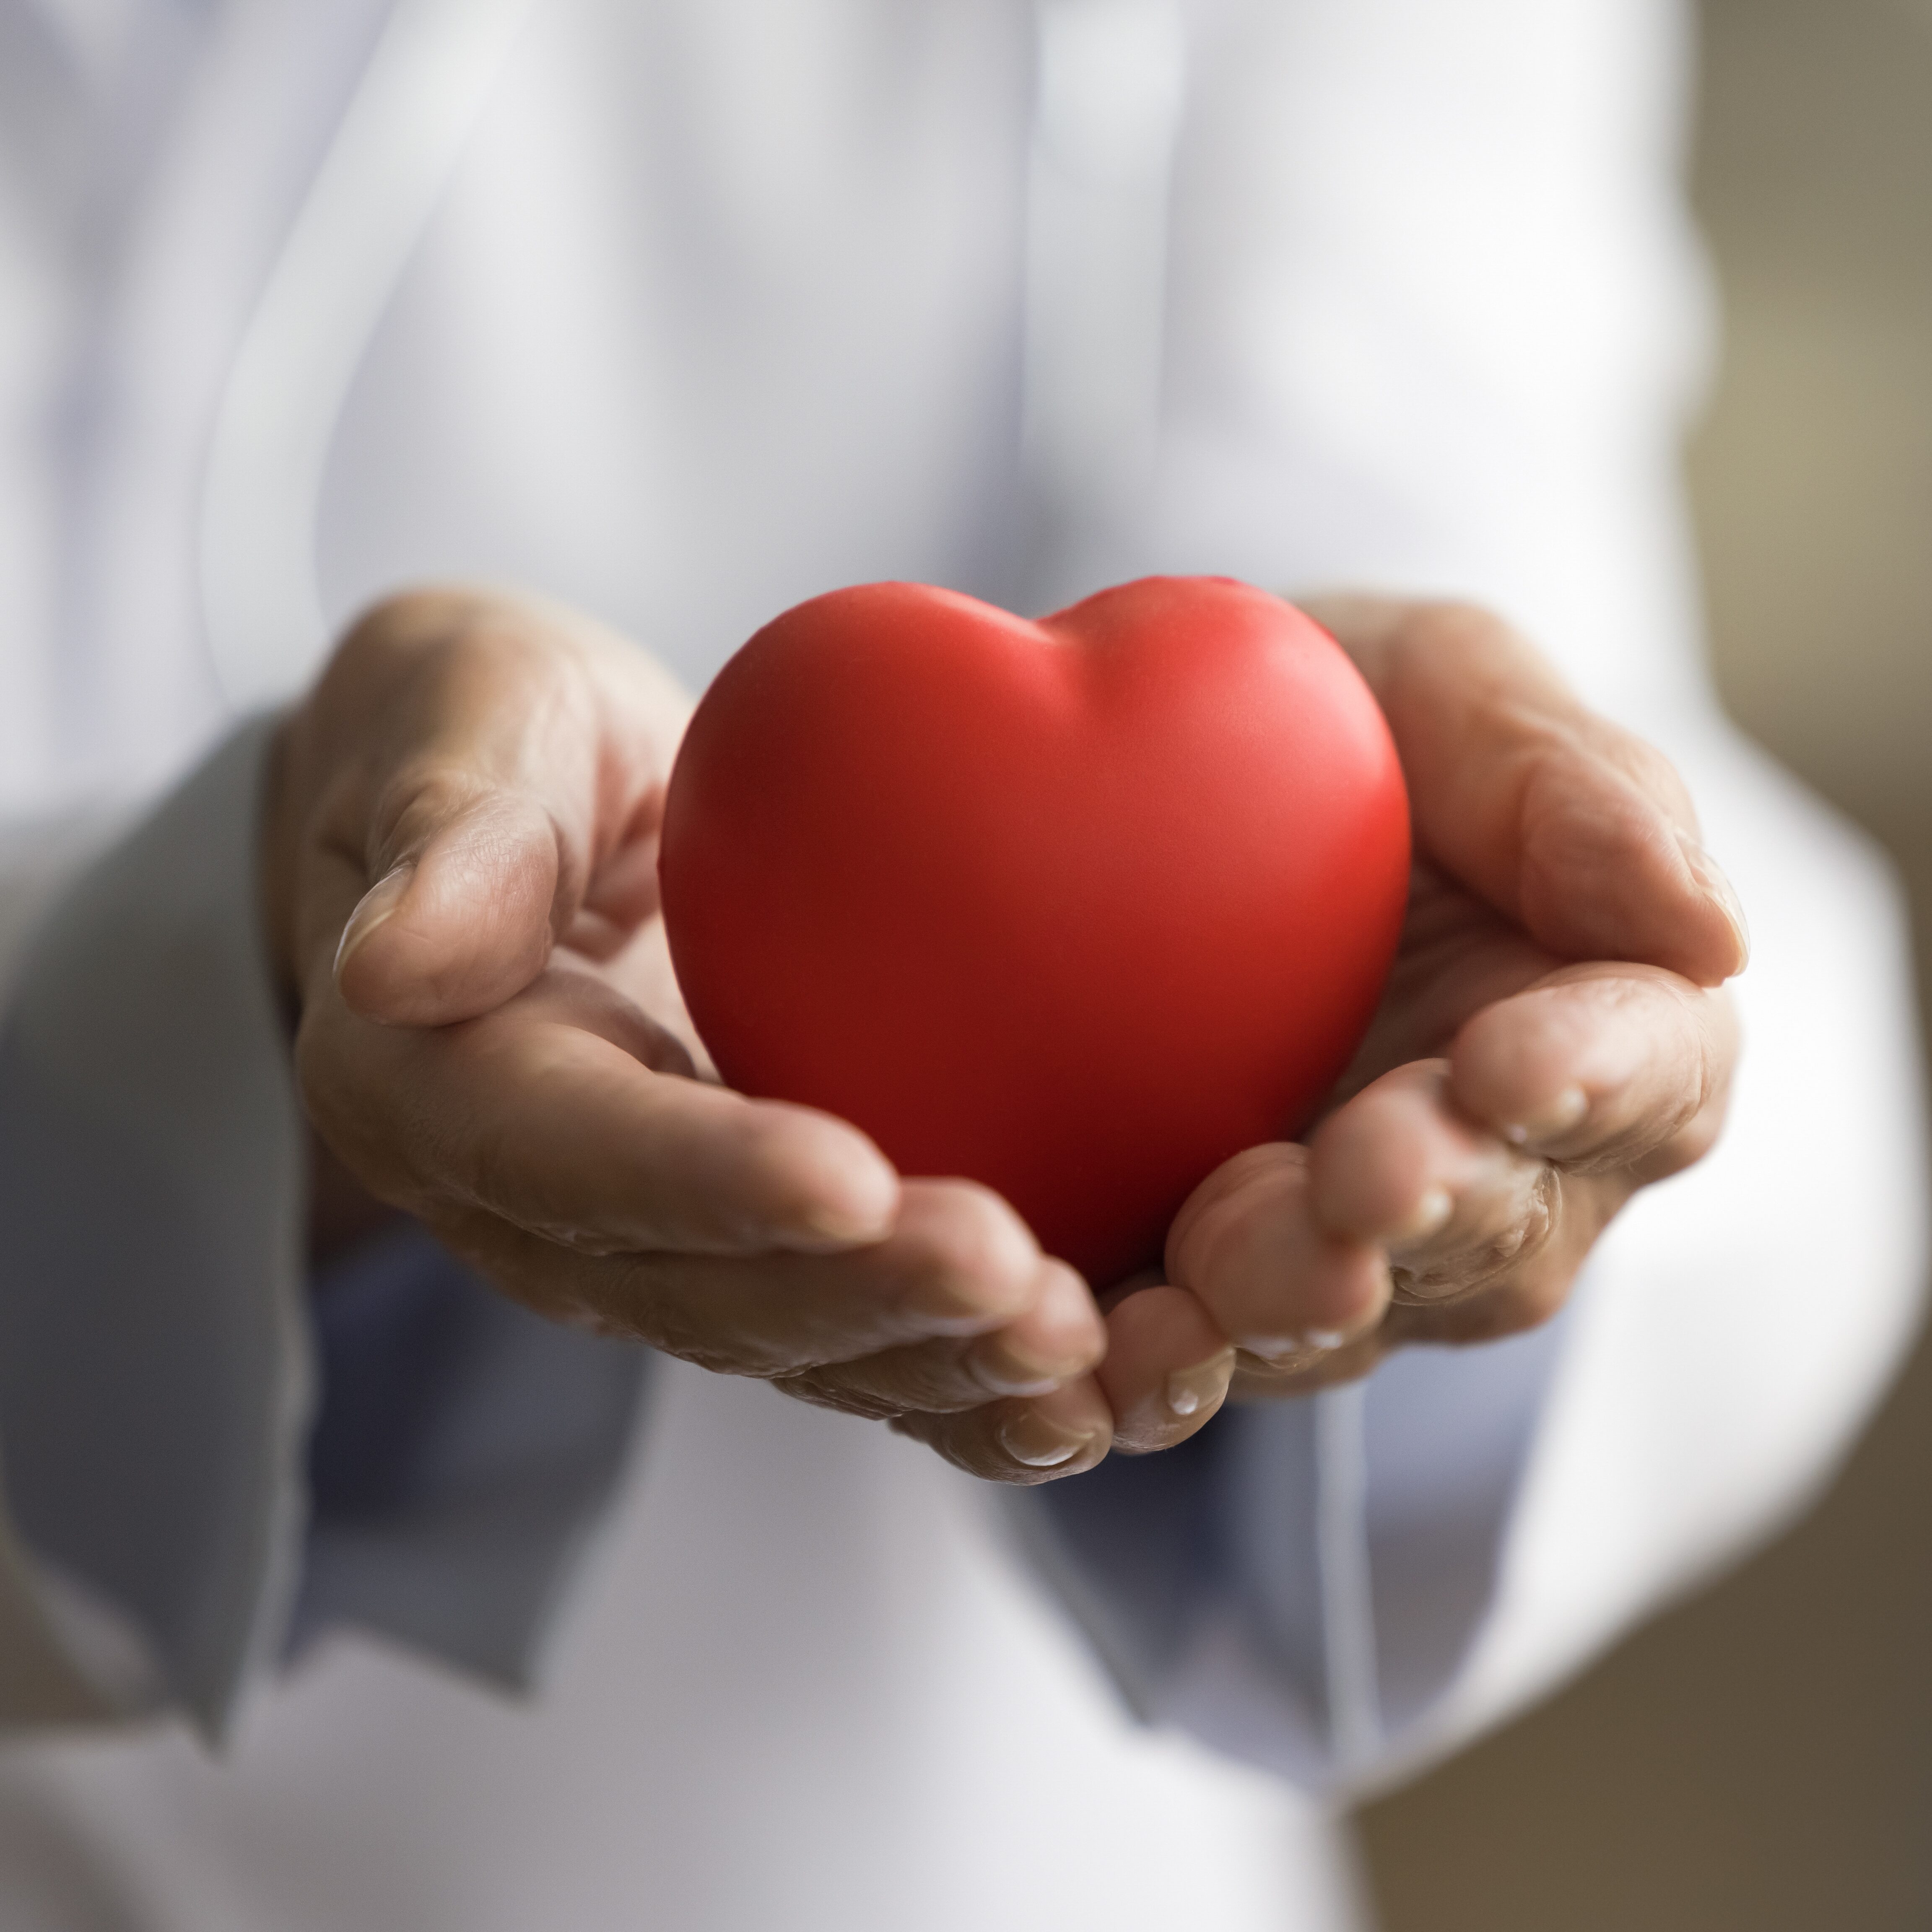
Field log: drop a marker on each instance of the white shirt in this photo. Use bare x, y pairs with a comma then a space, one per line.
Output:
685, 311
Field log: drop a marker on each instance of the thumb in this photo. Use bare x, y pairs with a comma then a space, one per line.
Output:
465, 915
1577, 829
474, 777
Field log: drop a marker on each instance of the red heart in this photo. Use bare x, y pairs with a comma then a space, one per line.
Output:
1077, 908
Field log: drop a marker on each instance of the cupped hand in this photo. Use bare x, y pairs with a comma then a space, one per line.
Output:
461, 894
1553, 1036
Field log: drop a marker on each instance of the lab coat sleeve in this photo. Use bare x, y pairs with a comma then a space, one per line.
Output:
154, 1368
40, 1683
158, 1392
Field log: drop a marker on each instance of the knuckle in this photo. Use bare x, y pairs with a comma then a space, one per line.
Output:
408, 616
378, 633
1452, 625
1641, 765
426, 621
1648, 768
388, 638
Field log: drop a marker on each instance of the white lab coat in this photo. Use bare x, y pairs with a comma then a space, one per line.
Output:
685, 310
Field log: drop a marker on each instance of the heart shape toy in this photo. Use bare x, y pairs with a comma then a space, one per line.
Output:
1078, 908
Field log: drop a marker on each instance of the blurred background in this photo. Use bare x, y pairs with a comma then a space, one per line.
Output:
1762, 1758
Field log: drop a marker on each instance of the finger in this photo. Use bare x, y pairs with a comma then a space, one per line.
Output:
1166, 1371
959, 1262
465, 918
1058, 1339
488, 776
1281, 1287
1601, 1067
1022, 1440
552, 1115
1455, 1205
1569, 824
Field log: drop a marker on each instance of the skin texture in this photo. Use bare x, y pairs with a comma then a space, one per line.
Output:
460, 892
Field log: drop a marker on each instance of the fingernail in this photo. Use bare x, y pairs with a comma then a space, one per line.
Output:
1555, 1120
1431, 1212
1039, 1441
375, 906
1002, 1369
1280, 1348
1277, 1348
1719, 890
1190, 1390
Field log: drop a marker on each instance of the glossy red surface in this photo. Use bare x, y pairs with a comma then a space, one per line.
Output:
1078, 908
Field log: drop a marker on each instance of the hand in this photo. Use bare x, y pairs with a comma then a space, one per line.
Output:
1552, 1037
460, 887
